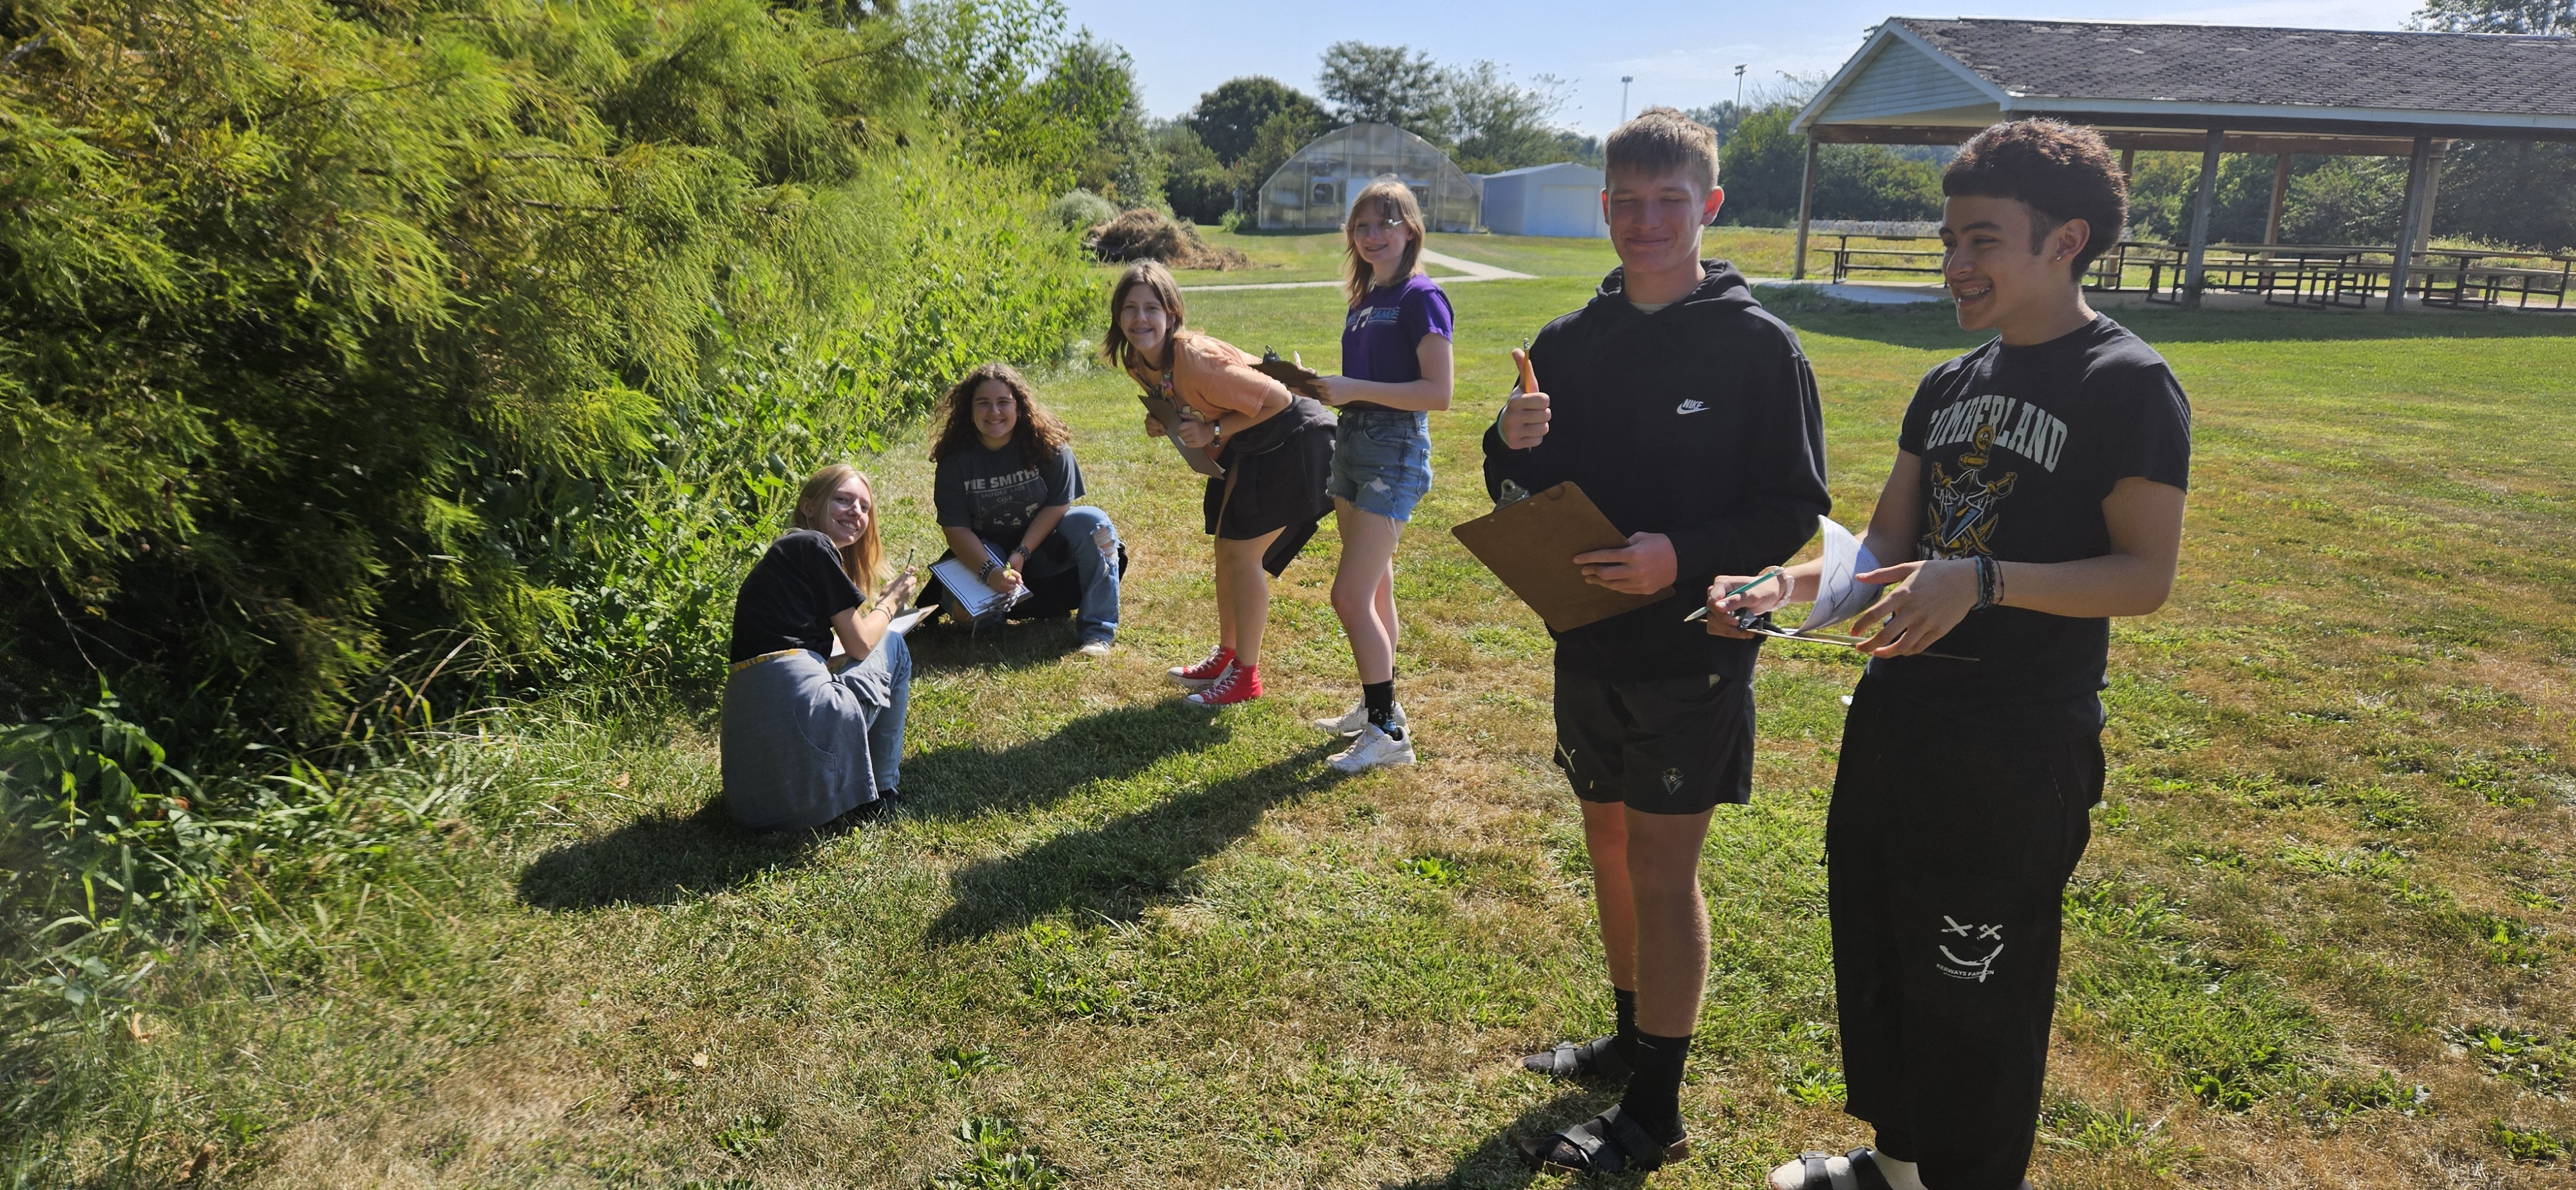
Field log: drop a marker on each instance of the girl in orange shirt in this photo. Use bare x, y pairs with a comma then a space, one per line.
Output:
1276, 448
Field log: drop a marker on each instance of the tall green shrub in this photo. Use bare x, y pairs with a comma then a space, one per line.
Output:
329, 331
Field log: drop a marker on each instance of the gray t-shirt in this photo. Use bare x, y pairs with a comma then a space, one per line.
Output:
996, 493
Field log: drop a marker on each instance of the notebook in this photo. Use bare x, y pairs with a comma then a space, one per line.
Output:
966, 596
1530, 544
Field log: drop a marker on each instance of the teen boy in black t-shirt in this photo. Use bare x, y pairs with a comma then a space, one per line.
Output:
2037, 491
1686, 412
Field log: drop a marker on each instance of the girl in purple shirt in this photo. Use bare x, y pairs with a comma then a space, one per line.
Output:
1395, 371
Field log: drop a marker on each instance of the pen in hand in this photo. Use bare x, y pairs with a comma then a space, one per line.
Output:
1758, 580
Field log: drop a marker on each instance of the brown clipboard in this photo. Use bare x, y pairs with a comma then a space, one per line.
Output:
1169, 413
1530, 544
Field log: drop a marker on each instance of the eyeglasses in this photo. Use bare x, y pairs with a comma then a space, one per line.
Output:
1362, 227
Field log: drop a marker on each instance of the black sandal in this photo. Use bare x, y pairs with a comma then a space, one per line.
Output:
1607, 1143
1596, 1060
1861, 1171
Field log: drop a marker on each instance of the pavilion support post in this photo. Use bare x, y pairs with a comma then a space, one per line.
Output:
2195, 267
2128, 158
1806, 211
2432, 190
2404, 260
2280, 192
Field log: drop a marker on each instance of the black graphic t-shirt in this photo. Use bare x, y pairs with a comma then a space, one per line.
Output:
790, 597
996, 493
2019, 447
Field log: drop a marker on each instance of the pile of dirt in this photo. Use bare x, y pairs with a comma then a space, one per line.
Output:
1146, 235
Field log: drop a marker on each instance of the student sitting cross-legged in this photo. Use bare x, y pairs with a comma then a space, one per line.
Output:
808, 738
2037, 492
1688, 414
1005, 493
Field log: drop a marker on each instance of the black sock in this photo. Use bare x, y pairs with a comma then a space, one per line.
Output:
1654, 1098
1379, 698
1624, 1003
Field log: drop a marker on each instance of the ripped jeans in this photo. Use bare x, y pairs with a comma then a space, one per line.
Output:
1086, 535
1382, 461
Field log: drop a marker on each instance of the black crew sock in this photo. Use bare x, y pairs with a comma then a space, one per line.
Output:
1379, 698
1654, 1098
1624, 1003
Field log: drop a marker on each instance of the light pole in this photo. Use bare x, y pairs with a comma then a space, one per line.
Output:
1624, 80
1739, 90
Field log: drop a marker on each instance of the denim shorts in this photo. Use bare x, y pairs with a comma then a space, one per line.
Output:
1382, 461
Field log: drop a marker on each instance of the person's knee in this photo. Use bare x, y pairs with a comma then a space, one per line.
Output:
1654, 871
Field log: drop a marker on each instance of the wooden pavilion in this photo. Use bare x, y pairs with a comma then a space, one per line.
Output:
2215, 88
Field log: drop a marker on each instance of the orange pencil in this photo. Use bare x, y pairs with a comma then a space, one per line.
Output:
1529, 378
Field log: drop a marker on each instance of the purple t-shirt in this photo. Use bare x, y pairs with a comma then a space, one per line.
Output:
1384, 331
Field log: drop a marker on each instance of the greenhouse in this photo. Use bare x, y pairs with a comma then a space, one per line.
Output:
1315, 188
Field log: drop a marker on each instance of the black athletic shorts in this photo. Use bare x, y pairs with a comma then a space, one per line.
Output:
1663, 745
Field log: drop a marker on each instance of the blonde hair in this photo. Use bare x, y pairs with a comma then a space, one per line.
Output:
1659, 141
1150, 273
863, 560
1395, 203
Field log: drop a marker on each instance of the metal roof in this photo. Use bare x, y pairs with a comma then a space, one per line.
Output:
1970, 71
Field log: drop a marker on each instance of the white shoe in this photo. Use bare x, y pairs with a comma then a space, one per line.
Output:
1095, 648
1352, 720
1373, 749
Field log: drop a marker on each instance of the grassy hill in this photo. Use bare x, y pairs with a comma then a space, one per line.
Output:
2322, 937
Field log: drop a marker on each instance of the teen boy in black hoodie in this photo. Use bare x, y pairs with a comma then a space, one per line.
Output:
1688, 414
2037, 491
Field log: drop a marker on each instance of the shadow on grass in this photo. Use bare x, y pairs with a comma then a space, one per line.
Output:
1494, 1163
1118, 868
658, 859
1933, 327
964, 780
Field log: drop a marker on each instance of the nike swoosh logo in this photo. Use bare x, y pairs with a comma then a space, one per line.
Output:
1690, 407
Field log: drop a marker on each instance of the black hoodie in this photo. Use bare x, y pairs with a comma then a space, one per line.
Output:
1699, 422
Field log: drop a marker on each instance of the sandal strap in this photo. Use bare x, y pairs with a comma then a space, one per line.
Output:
1817, 1171
1866, 1175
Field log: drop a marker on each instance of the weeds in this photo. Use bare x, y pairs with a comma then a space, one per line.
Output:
2527, 1144
2519, 1056
1815, 1084
2117, 1135
996, 1160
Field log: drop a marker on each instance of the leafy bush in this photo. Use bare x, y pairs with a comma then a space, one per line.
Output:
1078, 210
333, 330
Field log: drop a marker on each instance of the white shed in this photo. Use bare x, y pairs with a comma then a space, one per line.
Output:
1561, 199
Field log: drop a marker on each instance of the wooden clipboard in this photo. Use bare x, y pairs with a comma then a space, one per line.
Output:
1530, 544
1170, 414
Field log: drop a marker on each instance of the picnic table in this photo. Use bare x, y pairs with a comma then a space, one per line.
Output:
2343, 275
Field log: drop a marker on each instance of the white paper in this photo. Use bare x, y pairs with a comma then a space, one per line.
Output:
974, 599
1838, 598
907, 621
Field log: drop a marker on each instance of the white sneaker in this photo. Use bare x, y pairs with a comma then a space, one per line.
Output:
1373, 749
1352, 720
1095, 648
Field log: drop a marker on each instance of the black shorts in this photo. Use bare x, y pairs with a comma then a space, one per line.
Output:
1662, 745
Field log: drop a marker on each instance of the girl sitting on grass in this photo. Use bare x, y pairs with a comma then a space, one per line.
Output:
1005, 493
1276, 448
1395, 370
807, 742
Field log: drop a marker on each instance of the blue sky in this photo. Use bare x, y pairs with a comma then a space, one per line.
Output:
1681, 54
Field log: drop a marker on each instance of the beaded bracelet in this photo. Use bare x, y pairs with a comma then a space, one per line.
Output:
1985, 583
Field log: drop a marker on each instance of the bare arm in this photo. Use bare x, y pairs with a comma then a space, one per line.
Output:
1930, 598
861, 632
1429, 394
1895, 527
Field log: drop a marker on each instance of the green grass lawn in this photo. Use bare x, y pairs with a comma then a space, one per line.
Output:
2322, 938
1317, 256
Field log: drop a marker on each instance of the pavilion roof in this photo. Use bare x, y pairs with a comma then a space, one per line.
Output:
1966, 72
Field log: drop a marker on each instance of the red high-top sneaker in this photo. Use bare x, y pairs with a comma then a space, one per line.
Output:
1241, 683
1203, 674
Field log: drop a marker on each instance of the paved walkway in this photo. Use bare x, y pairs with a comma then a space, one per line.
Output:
1463, 270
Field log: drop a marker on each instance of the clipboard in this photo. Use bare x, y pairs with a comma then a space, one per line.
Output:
1170, 415
1530, 544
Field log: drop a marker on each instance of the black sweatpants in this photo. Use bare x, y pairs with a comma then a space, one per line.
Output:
1948, 847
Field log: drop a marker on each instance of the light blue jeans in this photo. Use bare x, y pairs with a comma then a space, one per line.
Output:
1093, 542
884, 686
